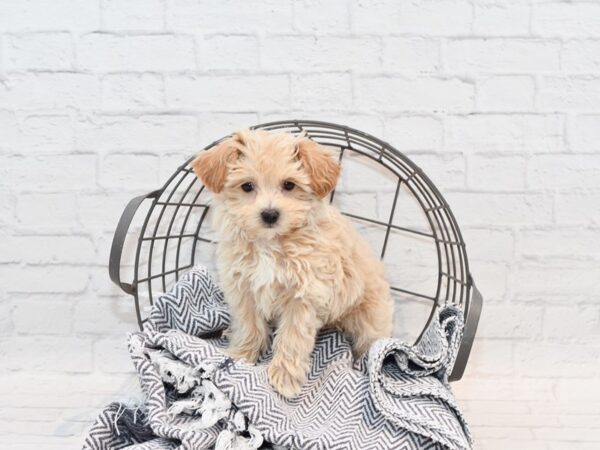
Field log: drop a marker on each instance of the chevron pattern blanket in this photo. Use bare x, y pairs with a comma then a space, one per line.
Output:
199, 398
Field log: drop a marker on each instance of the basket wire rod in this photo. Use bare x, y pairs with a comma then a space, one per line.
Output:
340, 163
445, 237
450, 254
191, 205
166, 241
169, 236
183, 225
198, 238
416, 294
389, 225
458, 280
454, 263
462, 253
395, 227
152, 241
414, 174
168, 272
138, 252
419, 193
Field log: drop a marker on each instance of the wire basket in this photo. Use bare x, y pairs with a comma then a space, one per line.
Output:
391, 201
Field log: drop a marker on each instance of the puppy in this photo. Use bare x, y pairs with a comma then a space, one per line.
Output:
286, 257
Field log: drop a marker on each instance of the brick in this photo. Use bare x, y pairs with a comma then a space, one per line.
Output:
105, 52
497, 173
567, 171
36, 132
408, 94
133, 15
581, 94
517, 420
584, 133
574, 241
498, 17
93, 317
46, 279
581, 56
19, 15
505, 435
505, 93
215, 125
50, 354
360, 175
577, 208
510, 321
52, 51
553, 359
491, 278
211, 16
321, 16
111, 355
566, 19
52, 172
447, 170
133, 171
65, 395
533, 280
46, 210
310, 53
315, 90
7, 208
504, 133
411, 54
228, 93
578, 323
489, 244
10, 130
566, 391
50, 90
368, 123
502, 55
508, 440
434, 17
413, 132
101, 211
144, 133
228, 52
491, 357
6, 309
39, 317
126, 91
501, 388
47, 249
482, 209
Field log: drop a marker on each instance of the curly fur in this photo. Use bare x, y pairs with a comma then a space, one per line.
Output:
309, 271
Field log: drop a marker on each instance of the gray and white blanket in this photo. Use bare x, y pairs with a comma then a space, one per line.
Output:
199, 398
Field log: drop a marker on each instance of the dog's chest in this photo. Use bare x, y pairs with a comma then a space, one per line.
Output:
268, 280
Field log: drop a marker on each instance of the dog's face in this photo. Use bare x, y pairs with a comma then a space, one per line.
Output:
268, 182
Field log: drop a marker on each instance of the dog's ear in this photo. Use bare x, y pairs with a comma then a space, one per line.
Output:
320, 165
211, 165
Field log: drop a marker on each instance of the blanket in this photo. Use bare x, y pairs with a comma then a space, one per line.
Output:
196, 397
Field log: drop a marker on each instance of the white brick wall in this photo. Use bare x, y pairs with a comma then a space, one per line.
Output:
497, 100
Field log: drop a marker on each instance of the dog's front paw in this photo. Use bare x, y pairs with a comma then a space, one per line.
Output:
249, 355
285, 378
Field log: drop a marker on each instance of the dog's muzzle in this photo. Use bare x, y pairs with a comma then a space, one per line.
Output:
269, 216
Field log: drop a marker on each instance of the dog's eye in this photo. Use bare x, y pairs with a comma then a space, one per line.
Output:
288, 185
247, 187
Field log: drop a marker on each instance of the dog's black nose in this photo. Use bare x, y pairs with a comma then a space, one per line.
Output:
269, 216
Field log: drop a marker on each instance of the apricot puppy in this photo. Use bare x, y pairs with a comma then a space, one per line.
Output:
286, 257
